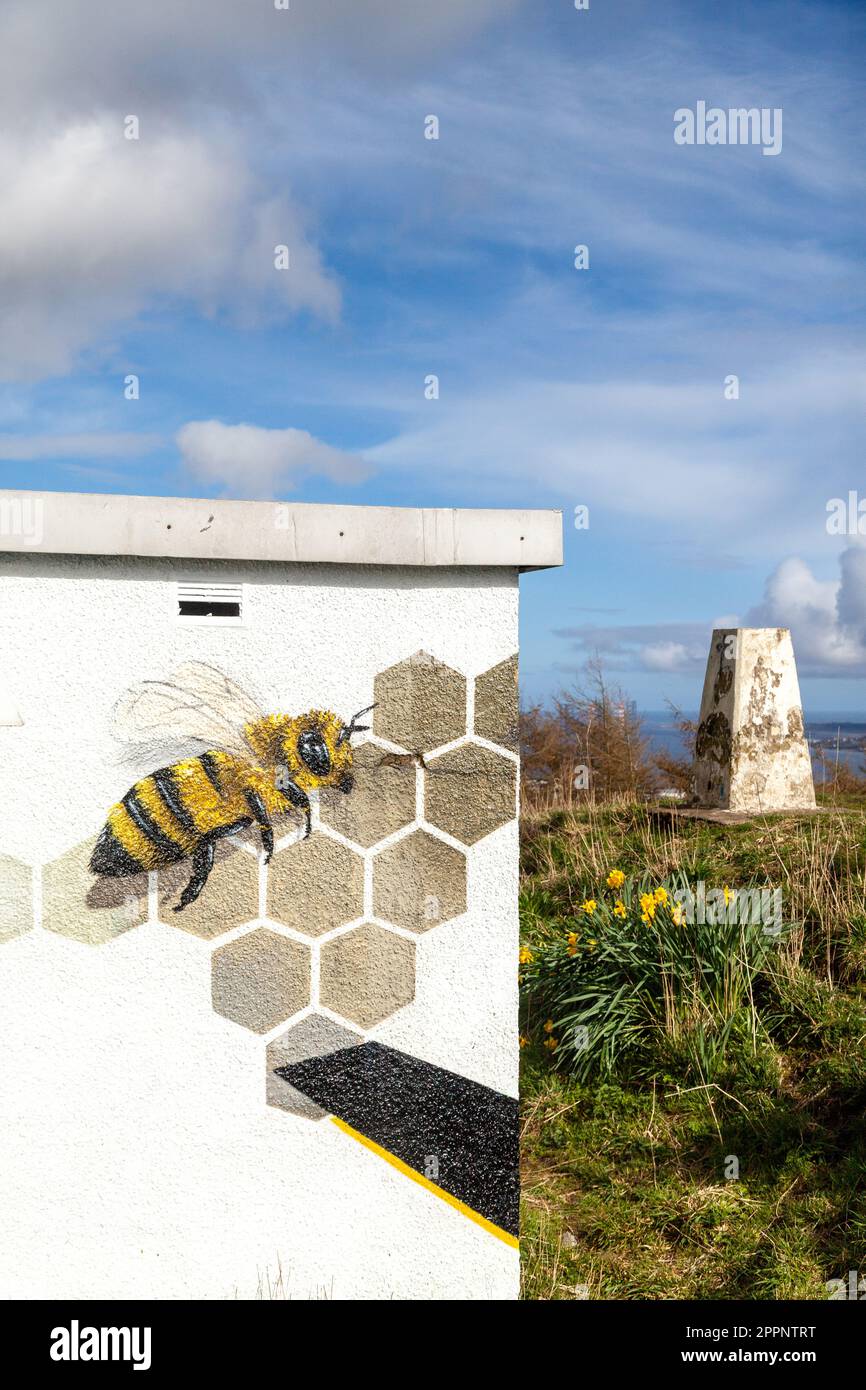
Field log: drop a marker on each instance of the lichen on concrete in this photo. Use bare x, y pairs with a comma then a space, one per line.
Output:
751, 753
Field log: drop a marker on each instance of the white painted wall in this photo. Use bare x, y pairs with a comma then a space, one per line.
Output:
138, 1157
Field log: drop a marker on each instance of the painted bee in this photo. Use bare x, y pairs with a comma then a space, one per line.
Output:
257, 767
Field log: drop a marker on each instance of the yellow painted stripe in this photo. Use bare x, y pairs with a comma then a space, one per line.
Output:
430, 1186
133, 840
208, 809
168, 823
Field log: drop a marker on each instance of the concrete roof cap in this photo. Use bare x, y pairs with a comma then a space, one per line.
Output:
87, 523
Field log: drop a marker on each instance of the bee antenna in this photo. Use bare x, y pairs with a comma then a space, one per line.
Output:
352, 728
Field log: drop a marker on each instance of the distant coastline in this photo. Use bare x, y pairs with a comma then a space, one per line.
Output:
831, 737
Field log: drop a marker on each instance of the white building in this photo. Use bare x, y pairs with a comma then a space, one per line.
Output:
153, 1143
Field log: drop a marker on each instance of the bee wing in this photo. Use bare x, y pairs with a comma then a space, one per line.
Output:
198, 703
216, 690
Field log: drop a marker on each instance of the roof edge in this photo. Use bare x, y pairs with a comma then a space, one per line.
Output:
88, 523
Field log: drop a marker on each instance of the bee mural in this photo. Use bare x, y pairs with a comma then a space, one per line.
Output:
257, 768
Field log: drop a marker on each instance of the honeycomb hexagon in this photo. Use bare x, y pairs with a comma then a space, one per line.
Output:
367, 974
470, 792
496, 704
420, 703
16, 898
230, 897
87, 908
382, 800
315, 885
260, 979
419, 882
315, 1036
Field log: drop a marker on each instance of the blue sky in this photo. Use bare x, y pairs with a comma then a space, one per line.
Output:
454, 257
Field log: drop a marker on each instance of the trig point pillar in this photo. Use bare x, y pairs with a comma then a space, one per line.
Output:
751, 753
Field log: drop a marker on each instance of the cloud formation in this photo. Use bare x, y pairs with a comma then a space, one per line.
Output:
97, 228
58, 56
827, 618
29, 447
249, 461
666, 647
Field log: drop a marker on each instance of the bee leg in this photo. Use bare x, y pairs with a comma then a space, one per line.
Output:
301, 801
263, 821
202, 863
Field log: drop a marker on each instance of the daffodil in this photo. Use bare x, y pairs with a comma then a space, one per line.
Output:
589, 906
648, 906
551, 1044
661, 895
619, 908
548, 1027
616, 878
524, 1041
526, 955
592, 943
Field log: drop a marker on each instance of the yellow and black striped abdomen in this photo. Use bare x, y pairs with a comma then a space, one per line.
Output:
166, 815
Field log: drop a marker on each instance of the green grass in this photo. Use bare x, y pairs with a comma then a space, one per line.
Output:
626, 1186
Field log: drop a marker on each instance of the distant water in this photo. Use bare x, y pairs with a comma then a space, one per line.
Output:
839, 737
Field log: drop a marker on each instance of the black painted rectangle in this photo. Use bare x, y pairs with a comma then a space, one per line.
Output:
459, 1134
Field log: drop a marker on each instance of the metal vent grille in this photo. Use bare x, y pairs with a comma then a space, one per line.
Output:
210, 603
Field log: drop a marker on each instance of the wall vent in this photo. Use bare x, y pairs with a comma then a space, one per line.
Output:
210, 603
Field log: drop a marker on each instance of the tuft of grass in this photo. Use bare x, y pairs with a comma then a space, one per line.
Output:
722, 1152
633, 986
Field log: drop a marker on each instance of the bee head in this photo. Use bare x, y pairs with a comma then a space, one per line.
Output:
322, 747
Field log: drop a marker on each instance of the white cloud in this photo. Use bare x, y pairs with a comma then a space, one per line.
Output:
96, 228
719, 476
96, 51
27, 447
669, 656
255, 462
827, 618
662, 646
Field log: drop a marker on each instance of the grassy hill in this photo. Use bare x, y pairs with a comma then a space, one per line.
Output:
693, 1093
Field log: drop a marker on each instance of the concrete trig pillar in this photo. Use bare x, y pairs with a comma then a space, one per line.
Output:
751, 753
